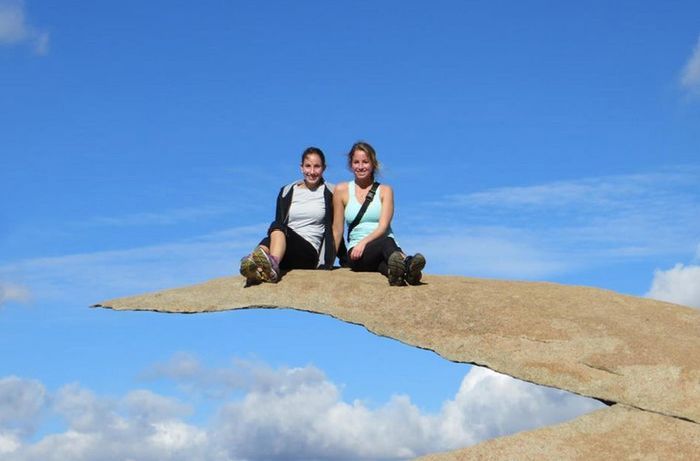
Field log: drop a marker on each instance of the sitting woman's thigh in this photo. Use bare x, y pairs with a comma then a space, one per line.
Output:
300, 254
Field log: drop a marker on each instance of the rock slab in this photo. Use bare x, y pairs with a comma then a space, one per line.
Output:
641, 353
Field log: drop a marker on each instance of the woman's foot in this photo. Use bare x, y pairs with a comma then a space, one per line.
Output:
259, 267
414, 267
268, 269
249, 270
397, 269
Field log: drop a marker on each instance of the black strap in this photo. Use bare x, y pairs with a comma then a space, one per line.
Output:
363, 208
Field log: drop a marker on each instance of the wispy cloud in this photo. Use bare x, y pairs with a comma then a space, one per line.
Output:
285, 413
555, 227
590, 193
690, 77
89, 277
161, 218
486, 252
15, 29
11, 292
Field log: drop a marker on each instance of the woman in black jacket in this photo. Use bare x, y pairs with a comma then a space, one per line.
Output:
301, 236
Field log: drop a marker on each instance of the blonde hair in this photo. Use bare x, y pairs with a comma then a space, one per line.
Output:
367, 149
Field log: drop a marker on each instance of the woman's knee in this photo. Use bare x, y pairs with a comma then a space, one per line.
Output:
277, 234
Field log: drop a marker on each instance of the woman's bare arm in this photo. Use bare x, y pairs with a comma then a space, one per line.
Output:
340, 199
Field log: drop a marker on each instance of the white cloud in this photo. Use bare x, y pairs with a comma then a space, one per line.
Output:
142, 425
83, 410
15, 29
491, 404
9, 443
311, 422
219, 383
285, 413
171, 441
690, 77
680, 285
11, 292
21, 405
146, 405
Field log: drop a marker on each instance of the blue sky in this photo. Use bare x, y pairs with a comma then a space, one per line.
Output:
142, 145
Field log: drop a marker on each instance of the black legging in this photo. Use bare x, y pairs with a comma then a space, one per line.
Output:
375, 256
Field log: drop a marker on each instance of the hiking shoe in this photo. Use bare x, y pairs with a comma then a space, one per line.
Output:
397, 269
249, 270
414, 266
266, 269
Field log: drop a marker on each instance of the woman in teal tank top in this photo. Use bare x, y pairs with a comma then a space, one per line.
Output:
371, 243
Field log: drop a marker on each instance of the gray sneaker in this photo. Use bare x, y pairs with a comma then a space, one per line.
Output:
414, 267
397, 269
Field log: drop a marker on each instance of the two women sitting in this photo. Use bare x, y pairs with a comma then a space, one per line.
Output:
307, 232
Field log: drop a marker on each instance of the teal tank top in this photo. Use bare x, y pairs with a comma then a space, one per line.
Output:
369, 221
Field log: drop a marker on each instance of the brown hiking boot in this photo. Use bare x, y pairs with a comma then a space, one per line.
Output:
397, 269
414, 268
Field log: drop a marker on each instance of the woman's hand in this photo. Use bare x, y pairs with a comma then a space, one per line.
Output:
357, 250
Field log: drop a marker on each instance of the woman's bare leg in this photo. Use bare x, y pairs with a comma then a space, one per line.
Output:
278, 244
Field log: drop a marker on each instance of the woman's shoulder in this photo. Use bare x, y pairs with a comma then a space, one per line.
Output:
385, 188
341, 187
287, 188
386, 193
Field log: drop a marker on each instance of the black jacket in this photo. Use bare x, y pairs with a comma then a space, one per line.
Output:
327, 253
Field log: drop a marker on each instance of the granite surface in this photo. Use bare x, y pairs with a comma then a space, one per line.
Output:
639, 353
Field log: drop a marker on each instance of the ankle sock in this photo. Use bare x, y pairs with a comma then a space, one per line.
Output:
275, 263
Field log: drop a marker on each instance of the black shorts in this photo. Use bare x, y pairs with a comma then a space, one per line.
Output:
300, 254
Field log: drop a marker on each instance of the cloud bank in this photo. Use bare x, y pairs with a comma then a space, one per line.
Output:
14, 28
285, 413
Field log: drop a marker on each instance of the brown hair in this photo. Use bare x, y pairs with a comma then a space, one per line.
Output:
313, 150
367, 149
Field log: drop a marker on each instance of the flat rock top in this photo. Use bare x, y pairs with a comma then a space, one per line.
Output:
623, 349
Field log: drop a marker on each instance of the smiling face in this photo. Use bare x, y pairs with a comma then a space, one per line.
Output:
312, 169
362, 161
361, 165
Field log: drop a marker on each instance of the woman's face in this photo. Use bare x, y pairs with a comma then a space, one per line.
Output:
312, 168
361, 165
